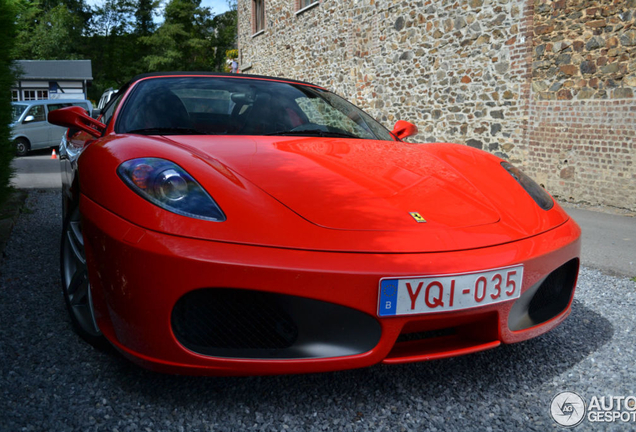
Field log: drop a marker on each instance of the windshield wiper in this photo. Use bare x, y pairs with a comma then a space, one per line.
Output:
167, 131
313, 132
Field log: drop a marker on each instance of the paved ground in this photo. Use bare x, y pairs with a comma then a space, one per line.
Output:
37, 171
52, 381
609, 240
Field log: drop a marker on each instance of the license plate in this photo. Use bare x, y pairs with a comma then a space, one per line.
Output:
444, 293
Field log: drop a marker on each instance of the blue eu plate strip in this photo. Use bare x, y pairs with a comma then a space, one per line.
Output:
388, 297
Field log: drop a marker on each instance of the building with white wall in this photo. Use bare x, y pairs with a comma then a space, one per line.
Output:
52, 79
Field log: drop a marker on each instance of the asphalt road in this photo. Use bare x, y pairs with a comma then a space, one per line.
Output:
52, 381
37, 171
609, 240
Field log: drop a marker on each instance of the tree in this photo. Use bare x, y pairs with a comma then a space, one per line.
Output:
121, 38
112, 18
145, 25
112, 45
224, 36
7, 78
57, 35
48, 33
27, 17
49, 30
184, 40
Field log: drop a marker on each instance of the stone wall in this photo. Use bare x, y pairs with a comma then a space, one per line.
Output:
585, 150
582, 128
584, 49
486, 73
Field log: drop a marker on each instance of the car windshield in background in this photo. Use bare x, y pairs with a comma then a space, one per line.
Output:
16, 111
241, 106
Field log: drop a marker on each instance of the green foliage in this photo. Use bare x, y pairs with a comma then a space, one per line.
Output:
55, 35
144, 24
225, 38
7, 78
183, 41
121, 38
48, 33
113, 18
112, 46
230, 55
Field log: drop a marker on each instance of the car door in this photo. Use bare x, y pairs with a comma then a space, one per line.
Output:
35, 127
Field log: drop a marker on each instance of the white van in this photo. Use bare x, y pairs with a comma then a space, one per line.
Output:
30, 128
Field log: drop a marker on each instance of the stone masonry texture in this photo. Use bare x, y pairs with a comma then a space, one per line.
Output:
548, 85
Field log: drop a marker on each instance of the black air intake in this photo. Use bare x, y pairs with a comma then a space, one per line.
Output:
238, 323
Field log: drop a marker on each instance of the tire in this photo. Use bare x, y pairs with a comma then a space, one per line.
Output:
21, 146
75, 283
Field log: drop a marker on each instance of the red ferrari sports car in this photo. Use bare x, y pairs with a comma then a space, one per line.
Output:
223, 224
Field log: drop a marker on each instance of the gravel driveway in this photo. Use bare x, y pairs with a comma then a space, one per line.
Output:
51, 381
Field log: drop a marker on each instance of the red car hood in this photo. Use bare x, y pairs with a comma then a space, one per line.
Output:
330, 194
359, 184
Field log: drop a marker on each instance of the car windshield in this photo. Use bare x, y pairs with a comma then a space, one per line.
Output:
242, 106
16, 111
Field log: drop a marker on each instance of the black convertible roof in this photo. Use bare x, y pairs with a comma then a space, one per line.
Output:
217, 74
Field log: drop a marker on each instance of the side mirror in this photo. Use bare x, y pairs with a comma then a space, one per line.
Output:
28, 119
75, 117
96, 113
404, 129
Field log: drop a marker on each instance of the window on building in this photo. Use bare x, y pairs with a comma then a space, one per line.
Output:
258, 12
15, 95
35, 94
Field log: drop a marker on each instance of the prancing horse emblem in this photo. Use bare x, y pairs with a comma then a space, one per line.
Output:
418, 217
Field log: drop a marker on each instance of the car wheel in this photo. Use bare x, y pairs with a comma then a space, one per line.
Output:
21, 147
75, 283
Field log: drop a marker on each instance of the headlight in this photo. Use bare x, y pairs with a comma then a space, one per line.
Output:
169, 186
538, 194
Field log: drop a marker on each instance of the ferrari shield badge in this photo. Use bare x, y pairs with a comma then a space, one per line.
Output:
418, 217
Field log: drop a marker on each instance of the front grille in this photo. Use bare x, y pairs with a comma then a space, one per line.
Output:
432, 334
546, 299
242, 323
554, 294
232, 319
469, 333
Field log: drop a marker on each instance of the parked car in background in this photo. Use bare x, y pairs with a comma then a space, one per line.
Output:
106, 97
30, 128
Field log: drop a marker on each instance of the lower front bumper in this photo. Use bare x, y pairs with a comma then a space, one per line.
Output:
138, 276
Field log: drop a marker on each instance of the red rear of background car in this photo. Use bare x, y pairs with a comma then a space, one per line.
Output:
234, 224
